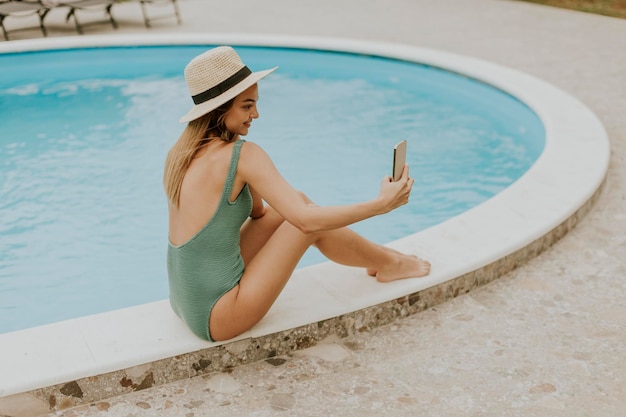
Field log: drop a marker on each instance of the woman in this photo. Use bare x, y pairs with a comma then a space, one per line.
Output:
229, 254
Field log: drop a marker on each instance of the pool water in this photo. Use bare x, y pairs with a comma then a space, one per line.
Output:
83, 217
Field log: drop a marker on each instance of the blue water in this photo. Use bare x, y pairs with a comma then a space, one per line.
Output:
83, 218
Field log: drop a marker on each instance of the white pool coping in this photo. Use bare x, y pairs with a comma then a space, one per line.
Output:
566, 175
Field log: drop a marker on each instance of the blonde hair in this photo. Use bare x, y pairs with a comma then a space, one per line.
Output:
197, 133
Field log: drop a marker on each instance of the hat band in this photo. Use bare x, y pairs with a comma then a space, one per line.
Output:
222, 87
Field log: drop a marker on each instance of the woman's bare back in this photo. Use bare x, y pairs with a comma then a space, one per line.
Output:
201, 190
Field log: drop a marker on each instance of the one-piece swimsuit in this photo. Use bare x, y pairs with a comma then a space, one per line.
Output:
207, 266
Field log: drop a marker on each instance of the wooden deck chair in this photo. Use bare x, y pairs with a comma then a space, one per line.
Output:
147, 18
15, 8
89, 5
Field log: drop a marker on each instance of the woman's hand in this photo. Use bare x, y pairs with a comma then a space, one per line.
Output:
395, 194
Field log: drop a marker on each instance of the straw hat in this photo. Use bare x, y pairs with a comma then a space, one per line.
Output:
215, 77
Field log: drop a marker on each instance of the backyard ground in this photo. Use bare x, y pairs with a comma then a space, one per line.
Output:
614, 8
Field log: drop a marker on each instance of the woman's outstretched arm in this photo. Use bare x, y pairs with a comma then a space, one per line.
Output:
257, 169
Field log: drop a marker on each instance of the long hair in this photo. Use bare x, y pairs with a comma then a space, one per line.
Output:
197, 133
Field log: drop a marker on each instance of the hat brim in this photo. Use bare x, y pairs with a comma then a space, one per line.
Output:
201, 109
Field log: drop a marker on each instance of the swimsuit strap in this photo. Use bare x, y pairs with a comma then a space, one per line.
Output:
232, 170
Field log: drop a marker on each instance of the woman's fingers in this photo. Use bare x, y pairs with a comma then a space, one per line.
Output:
405, 172
396, 193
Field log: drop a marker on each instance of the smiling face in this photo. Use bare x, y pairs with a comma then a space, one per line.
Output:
243, 111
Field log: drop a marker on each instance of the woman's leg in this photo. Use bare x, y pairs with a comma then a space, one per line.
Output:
268, 272
347, 247
256, 232
262, 281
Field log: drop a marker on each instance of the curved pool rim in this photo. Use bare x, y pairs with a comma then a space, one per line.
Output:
495, 237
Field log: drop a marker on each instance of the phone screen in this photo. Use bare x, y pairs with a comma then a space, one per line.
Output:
399, 160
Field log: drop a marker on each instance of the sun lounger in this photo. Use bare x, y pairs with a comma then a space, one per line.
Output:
146, 16
22, 9
88, 5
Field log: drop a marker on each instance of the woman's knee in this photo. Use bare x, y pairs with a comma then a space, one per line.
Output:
274, 216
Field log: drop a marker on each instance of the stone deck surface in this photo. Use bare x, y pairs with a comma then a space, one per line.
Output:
548, 339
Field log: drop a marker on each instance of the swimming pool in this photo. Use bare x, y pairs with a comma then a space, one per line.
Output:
83, 212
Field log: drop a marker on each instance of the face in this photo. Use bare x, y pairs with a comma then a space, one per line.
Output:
243, 111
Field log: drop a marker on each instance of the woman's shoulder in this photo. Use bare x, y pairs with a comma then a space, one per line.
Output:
251, 150
253, 156
246, 144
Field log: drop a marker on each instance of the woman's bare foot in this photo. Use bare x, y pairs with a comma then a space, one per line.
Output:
373, 271
404, 266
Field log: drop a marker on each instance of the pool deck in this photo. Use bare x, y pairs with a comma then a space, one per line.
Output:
548, 339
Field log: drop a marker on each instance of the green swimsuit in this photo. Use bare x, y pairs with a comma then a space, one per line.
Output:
209, 265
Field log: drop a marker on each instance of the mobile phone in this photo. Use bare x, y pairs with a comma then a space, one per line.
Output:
399, 160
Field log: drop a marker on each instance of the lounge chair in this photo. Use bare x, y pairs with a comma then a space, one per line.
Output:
147, 18
15, 8
88, 5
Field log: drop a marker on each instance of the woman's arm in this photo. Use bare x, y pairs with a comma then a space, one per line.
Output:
257, 169
258, 208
